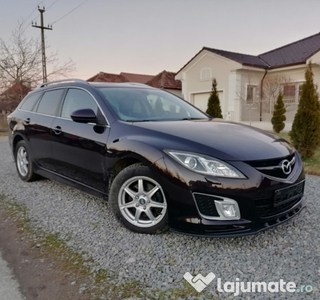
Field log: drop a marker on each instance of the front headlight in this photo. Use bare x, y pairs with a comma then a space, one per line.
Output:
205, 164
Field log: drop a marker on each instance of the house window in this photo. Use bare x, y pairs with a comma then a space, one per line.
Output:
251, 90
289, 93
300, 91
205, 74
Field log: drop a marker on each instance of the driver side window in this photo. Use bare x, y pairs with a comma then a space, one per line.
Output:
77, 99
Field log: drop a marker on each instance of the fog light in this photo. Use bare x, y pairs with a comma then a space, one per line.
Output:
229, 210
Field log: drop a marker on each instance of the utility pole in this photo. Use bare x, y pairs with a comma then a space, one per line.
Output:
44, 66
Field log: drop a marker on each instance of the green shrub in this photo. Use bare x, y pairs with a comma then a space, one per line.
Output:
278, 115
214, 109
305, 134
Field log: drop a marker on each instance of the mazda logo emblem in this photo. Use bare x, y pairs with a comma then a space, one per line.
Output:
286, 166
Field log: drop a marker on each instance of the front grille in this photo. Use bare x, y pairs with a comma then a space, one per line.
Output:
290, 197
206, 204
272, 167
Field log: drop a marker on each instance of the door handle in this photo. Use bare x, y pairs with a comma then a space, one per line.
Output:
27, 121
57, 130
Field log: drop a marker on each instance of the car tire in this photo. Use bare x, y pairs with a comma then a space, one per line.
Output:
23, 162
138, 200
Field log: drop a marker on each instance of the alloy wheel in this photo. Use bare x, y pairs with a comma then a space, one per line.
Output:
142, 201
22, 161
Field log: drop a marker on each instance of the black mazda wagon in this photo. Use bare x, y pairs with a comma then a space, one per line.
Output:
160, 162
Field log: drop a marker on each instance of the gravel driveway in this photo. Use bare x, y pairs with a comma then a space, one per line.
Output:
158, 262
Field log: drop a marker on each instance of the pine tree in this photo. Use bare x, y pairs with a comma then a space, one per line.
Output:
278, 115
305, 134
214, 109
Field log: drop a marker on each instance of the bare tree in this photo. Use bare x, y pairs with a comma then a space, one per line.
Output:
256, 99
20, 62
272, 86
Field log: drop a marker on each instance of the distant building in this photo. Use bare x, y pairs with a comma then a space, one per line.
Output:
11, 97
248, 85
164, 80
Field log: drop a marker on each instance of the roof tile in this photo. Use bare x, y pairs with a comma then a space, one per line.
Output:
108, 77
294, 53
165, 80
245, 59
139, 78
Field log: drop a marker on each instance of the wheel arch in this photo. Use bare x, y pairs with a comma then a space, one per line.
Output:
15, 141
146, 156
122, 164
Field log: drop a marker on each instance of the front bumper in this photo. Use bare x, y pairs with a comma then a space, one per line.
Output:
256, 197
234, 228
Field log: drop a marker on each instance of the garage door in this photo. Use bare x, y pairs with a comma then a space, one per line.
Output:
201, 100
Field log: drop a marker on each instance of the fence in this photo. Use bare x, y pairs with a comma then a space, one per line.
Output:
251, 111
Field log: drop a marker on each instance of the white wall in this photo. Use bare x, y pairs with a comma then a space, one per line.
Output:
233, 79
175, 92
192, 84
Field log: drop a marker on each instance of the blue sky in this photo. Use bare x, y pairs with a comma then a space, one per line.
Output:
149, 36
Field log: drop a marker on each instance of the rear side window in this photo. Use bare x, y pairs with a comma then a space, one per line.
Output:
30, 102
77, 99
49, 103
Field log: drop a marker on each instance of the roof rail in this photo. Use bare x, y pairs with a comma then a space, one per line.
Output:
60, 81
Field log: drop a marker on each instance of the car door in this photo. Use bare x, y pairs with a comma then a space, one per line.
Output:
38, 126
79, 148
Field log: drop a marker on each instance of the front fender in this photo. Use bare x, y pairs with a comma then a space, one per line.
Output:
135, 149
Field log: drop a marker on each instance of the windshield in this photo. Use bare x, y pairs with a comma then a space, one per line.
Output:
136, 105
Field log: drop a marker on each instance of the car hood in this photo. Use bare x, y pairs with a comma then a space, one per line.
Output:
218, 138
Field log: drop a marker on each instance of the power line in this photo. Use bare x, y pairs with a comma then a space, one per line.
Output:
44, 66
35, 18
25, 20
52, 4
70, 12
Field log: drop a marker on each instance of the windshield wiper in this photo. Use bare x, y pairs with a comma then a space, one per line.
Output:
145, 120
189, 118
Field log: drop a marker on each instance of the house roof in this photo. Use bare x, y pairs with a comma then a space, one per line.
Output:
107, 77
294, 53
165, 80
17, 88
245, 59
291, 54
140, 78
122, 77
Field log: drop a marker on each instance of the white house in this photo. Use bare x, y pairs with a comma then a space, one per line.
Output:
248, 85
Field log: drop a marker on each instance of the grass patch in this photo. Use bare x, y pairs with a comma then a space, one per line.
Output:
311, 165
4, 133
182, 293
100, 283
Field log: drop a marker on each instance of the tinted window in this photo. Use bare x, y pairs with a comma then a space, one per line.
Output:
77, 99
50, 102
134, 104
30, 102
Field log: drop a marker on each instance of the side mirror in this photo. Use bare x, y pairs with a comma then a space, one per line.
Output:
84, 116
